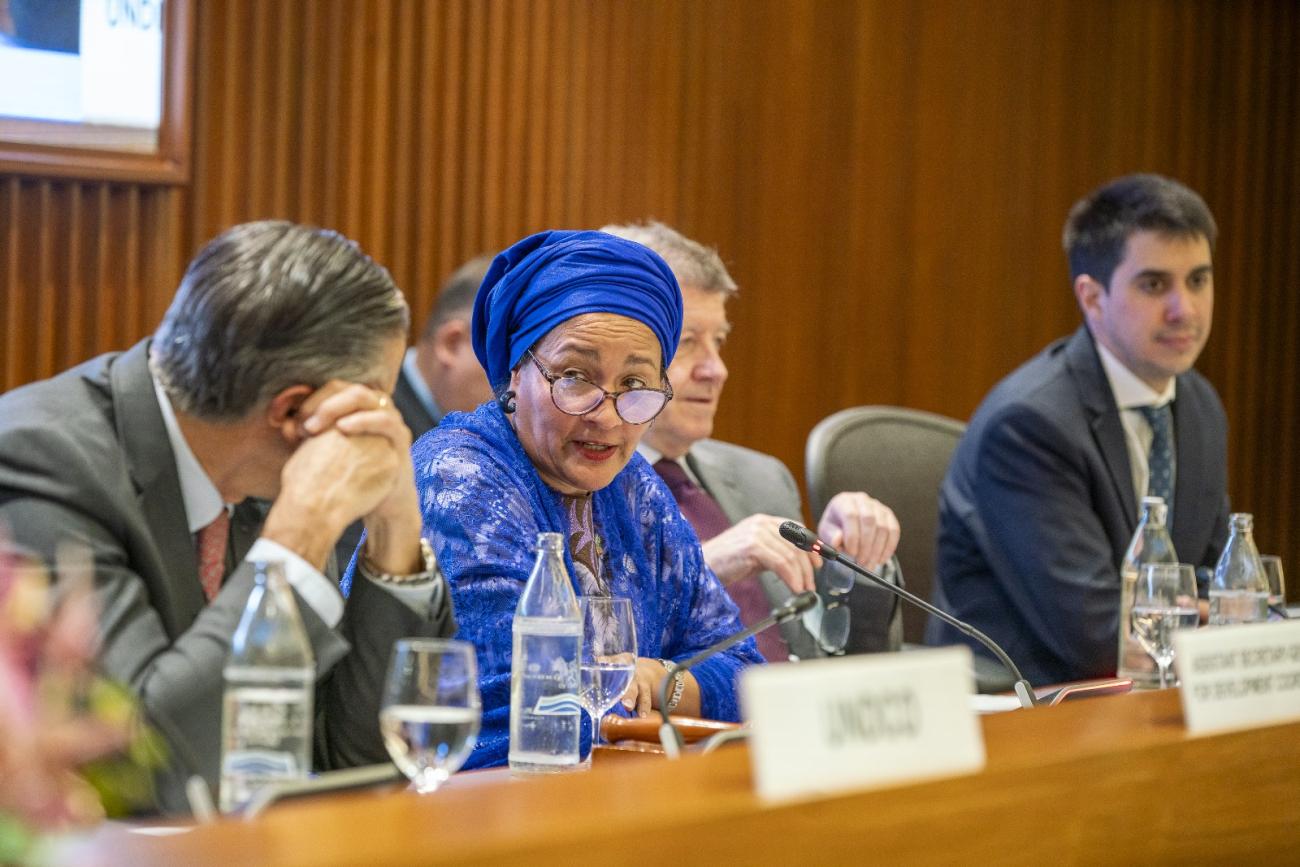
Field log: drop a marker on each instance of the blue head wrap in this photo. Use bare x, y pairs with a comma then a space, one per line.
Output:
551, 277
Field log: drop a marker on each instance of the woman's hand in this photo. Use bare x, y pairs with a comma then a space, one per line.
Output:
642, 696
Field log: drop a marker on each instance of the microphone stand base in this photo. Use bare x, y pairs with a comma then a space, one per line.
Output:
669, 740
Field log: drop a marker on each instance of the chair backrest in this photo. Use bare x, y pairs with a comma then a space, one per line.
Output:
899, 456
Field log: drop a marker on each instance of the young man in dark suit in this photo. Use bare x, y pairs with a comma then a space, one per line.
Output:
1041, 498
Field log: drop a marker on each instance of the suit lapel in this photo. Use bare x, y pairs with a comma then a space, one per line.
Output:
245, 526
719, 480
152, 466
413, 410
1191, 451
1103, 417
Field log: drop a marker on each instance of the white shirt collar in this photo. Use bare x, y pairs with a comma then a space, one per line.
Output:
201, 498
654, 456
650, 453
1129, 391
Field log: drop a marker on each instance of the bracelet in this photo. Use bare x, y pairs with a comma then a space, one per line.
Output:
429, 572
679, 684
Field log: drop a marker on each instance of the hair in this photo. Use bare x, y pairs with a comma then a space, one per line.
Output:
268, 305
456, 297
692, 263
1100, 223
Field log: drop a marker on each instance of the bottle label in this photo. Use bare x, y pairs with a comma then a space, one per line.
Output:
558, 704
261, 764
266, 716
266, 736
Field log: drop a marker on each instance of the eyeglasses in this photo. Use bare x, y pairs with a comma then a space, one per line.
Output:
834, 632
574, 396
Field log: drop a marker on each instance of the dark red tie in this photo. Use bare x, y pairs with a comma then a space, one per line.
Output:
212, 554
708, 519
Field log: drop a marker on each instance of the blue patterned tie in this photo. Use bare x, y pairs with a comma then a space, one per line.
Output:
1160, 463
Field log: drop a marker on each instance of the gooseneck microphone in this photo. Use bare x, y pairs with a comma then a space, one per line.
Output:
669, 737
803, 538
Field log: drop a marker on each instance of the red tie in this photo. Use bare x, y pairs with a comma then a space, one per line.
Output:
708, 519
212, 554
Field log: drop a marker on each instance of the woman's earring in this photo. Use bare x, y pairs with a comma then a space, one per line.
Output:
506, 400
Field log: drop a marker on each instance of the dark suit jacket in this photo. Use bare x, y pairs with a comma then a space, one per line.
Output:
746, 482
413, 411
85, 456
1037, 509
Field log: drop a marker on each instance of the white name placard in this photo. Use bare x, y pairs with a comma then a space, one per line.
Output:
1237, 677
860, 722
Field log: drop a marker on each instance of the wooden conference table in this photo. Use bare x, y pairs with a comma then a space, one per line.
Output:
1114, 779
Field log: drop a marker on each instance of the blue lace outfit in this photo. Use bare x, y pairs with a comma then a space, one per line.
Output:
483, 506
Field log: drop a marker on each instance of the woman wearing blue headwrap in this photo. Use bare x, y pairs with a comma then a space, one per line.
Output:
575, 331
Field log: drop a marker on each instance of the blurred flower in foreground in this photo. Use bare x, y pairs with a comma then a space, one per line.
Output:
56, 717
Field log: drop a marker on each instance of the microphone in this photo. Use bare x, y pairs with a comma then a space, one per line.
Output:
804, 539
669, 737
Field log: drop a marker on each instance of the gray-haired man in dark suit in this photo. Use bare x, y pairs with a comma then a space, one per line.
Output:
255, 424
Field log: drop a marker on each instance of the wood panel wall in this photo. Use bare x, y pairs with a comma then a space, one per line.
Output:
886, 179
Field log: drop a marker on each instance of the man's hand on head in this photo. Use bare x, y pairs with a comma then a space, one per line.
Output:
755, 545
354, 409
329, 481
354, 462
393, 524
860, 526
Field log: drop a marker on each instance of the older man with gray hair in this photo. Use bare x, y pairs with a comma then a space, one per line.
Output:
736, 497
255, 425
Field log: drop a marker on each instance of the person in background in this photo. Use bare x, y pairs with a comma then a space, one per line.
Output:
1041, 498
575, 331
440, 373
255, 424
736, 497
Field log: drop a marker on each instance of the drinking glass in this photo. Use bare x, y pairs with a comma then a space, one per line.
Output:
608, 655
431, 710
1164, 599
1276, 583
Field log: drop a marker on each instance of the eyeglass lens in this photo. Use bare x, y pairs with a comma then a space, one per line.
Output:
835, 627
835, 618
635, 407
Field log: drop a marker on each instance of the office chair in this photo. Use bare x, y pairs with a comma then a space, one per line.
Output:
899, 456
